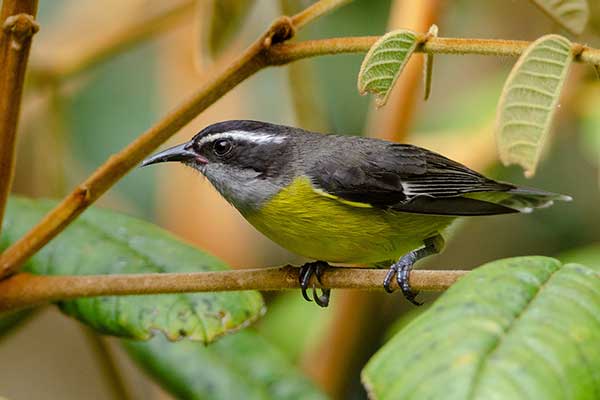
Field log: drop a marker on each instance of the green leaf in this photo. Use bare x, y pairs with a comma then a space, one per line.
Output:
570, 14
529, 100
519, 328
384, 62
105, 242
225, 19
240, 366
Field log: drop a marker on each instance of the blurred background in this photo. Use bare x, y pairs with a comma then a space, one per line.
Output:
94, 86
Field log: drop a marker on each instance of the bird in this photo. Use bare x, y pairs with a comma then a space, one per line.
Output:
345, 199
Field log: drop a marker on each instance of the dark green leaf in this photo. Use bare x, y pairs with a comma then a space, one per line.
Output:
105, 242
519, 328
239, 366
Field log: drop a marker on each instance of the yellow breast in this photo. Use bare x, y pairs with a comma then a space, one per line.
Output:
317, 225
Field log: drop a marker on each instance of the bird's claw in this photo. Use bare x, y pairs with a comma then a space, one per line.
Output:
401, 270
306, 271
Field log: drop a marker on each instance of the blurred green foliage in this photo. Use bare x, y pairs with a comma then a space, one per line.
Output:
117, 103
240, 366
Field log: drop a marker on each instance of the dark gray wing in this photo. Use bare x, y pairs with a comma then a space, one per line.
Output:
407, 178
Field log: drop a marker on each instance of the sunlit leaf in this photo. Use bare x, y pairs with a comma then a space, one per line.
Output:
519, 328
239, 366
384, 62
428, 64
529, 100
105, 242
221, 21
570, 14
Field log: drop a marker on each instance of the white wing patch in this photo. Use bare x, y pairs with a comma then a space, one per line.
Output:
254, 137
446, 185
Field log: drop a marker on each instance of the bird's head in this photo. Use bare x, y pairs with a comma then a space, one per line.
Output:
243, 159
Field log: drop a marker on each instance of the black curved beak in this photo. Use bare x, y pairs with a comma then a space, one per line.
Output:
176, 153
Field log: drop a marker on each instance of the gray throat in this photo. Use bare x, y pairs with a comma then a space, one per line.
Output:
243, 189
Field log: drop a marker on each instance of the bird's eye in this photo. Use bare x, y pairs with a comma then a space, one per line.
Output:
222, 146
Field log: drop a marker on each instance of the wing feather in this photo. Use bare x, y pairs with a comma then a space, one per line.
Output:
406, 178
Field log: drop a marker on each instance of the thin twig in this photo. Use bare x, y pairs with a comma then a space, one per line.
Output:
27, 290
17, 26
108, 46
289, 52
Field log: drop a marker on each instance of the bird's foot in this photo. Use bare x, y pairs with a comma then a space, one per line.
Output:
306, 271
401, 270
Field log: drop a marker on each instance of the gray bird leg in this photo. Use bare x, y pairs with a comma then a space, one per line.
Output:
401, 269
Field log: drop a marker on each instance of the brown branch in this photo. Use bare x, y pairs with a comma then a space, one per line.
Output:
108, 46
17, 28
289, 52
27, 290
254, 58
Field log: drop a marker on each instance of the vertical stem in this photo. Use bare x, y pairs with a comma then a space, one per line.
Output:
17, 27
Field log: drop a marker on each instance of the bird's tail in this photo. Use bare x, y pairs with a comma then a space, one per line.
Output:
526, 199
522, 199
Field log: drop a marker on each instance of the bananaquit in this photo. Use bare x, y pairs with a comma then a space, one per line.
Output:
345, 199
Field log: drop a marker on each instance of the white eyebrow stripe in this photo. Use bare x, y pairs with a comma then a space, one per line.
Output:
254, 137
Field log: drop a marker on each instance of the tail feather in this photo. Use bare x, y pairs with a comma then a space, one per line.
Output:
526, 199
